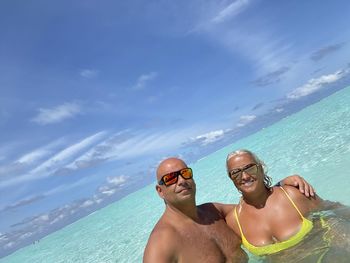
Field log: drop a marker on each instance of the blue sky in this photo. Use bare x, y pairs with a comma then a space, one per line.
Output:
95, 93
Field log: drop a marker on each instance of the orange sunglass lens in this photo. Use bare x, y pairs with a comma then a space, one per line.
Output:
170, 179
186, 173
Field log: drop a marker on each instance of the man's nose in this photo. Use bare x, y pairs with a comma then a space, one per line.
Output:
180, 179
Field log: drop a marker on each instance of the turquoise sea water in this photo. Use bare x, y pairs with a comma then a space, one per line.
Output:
314, 142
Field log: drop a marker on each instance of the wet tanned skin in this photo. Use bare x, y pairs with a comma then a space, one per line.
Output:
277, 219
187, 232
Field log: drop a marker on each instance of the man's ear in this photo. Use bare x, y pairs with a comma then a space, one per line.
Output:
160, 191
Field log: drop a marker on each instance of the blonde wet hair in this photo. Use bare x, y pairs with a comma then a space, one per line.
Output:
267, 179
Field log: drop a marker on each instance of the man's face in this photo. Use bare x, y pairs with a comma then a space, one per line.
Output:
182, 190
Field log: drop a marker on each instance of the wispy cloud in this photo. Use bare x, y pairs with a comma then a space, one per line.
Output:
257, 106
67, 187
33, 156
316, 84
117, 181
271, 78
23, 202
50, 166
42, 224
231, 10
64, 155
144, 79
57, 114
325, 51
89, 73
40, 153
260, 48
125, 144
99, 148
245, 119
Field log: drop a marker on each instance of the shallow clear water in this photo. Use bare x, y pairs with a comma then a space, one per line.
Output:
314, 142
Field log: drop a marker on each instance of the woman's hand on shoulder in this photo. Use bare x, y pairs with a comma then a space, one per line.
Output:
300, 183
306, 203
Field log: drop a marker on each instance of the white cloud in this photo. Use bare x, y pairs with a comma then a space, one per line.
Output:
41, 219
144, 79
231, 10
316, 84
245, 119
117, 180
57, 114
109, 192
89, 73
113, 184
279, 110
210, 137
87, 203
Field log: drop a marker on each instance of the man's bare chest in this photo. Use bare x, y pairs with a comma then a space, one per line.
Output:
214, 242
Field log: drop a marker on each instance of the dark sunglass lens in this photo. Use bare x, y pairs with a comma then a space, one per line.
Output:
251, 169
235, 173
238, 176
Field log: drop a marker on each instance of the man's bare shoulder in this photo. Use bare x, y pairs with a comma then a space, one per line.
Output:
158, 248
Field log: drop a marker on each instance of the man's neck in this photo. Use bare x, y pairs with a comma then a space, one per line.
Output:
187, 210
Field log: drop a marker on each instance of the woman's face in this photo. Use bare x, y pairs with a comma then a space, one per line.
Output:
245, 173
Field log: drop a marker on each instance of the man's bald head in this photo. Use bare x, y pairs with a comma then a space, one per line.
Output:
169, 165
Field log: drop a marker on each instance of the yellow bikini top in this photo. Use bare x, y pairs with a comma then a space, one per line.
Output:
306, 227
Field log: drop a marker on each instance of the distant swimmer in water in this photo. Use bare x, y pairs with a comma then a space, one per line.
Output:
188, 232
273, 219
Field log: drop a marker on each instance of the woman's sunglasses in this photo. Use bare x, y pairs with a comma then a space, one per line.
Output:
236, 174
171, 178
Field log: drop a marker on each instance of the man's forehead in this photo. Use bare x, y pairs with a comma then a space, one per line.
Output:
170, 165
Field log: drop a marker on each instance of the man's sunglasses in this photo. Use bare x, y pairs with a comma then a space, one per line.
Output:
236, 174
171, 178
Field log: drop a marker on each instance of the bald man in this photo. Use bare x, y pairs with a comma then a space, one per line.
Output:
187, 232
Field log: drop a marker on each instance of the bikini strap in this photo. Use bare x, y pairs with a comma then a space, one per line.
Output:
290, 199
239, 225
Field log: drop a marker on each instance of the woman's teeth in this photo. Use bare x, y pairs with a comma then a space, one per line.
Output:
248, 183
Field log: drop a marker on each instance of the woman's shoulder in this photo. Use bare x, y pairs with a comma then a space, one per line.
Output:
301, 201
